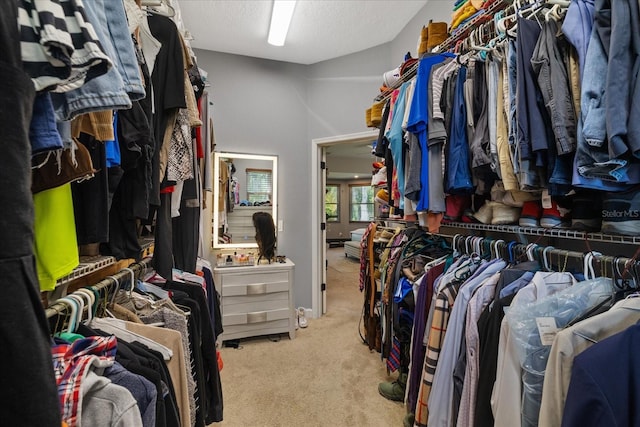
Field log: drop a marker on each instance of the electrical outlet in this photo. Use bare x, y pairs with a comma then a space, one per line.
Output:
280, 225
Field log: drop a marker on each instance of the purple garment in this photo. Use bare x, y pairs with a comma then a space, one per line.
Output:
418, 350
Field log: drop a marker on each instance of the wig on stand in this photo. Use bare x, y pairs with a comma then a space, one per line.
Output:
265, 236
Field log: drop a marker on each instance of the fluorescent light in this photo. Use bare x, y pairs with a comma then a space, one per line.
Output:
280, 20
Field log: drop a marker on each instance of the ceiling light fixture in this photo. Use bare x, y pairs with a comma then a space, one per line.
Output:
280, 19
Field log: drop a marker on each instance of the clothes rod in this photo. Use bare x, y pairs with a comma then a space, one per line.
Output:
109, 281
465, 244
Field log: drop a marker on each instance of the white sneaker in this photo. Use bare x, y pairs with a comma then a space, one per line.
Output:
302, 320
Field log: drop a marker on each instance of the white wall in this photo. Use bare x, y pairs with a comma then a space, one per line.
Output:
407, 39
259, 107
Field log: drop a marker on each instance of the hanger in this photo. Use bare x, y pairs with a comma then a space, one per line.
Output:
495, 248
455, 242
589, 271
159, 7
91, 299
89, 304
551, 12
547, 263
115, 292
133, 280
72, 312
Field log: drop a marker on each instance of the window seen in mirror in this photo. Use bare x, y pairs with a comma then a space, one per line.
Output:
259, 187
361, 203
332, 203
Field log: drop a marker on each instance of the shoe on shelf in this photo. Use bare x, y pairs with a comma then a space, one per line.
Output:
621, 212
394, 390
553, 218
302, 320
467, 217
531, 214
485, 213
455, 205
382, 196
586, 212
504, 215
380, 177
518, 198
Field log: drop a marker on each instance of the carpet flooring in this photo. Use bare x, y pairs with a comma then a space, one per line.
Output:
326, 376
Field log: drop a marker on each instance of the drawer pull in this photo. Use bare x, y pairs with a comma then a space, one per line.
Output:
257, 317
257, 289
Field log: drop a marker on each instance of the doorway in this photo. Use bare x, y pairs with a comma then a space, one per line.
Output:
318, 184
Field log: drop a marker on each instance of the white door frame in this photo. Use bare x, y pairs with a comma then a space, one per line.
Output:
317, 243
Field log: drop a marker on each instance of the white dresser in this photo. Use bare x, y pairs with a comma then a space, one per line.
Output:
256, 300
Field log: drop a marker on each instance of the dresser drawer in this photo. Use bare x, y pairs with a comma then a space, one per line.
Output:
256, 329
255, 284
256, 300
258, 316
248, 303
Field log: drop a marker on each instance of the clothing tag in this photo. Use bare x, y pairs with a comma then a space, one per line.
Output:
546, 200
547, 329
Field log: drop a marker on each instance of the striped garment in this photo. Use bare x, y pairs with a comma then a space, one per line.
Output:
60, 47
364, 258
443, 306
71, 362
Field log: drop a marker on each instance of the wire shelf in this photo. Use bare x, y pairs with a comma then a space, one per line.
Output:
548, 232
463, 31
458, 34
88, 264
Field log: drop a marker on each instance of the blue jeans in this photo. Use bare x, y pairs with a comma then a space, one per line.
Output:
522, 166
43, 133
577, 26
458, 174
593, 158
122, 84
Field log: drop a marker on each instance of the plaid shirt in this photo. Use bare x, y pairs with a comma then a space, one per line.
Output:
71, 362
442, 310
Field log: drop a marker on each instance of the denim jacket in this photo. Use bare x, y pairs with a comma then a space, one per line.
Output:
603, 109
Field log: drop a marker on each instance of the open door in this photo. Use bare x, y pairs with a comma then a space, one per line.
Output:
323, 228
318, 220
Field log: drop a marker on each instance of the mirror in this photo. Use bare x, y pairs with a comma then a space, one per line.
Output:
246, 183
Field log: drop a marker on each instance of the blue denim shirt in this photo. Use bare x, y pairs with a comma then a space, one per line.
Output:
577, 26
598, 156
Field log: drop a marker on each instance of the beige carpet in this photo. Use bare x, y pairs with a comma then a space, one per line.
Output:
324, 377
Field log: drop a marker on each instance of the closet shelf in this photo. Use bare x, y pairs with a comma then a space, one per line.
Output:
88, 264
547, 232
464, 30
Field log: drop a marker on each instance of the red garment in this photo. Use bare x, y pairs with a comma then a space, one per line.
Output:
199, 146
71, 362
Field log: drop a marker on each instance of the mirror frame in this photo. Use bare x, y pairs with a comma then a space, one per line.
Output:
216, 195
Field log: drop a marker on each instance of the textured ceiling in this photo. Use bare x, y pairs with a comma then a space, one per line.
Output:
320, 29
